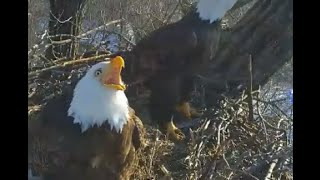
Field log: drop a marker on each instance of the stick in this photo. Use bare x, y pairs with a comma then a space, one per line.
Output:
274, 105
78, 61
250, 90
86, 33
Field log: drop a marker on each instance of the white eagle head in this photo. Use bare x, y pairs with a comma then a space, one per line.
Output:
99, 97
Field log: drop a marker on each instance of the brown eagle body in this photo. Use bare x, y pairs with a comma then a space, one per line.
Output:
168, 59
59, 149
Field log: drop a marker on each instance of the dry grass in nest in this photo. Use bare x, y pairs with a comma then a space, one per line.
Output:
224, 144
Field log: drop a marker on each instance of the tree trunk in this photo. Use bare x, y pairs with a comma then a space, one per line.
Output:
265, 32
64, 23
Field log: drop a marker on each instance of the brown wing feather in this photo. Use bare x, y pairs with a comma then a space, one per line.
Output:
166, 49
57, 148
171, 37
138, 136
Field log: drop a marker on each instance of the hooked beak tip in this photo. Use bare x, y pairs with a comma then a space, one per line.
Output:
118, 62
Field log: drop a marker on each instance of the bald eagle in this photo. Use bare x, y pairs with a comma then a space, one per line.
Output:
167, 60
90, 132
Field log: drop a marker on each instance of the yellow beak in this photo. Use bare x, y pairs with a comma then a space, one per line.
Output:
112, 76
117, 62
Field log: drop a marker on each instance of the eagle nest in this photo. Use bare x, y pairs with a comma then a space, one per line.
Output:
233, 140
223, 144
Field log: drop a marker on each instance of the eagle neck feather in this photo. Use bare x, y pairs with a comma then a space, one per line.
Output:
94, 104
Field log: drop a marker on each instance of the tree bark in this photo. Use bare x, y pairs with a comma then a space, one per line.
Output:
265, 32
65, 20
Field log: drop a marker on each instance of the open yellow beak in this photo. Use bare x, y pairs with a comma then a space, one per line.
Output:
117, 62
112, 76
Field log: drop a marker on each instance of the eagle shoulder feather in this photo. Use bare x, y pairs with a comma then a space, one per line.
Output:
138, 135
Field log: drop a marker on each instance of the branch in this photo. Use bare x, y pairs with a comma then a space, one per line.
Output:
122, 36
74, 62
246, 173
250, 90
265, 32
58, 19
269, 125
282, 154
171, 14
274, 105
270, 170
86, 33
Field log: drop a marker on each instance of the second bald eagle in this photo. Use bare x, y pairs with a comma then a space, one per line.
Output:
169, 58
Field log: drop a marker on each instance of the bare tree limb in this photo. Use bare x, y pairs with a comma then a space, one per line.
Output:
274, 105
264, 32
74, 62
126, 39
249, 91
87, 33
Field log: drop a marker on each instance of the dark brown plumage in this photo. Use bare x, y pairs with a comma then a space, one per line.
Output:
61, 149
168, 59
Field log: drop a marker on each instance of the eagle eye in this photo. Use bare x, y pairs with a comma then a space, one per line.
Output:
98, 72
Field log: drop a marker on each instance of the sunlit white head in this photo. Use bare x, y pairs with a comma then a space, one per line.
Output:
213, 10
99, 97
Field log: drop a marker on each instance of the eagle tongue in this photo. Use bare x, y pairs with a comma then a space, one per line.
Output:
114, 77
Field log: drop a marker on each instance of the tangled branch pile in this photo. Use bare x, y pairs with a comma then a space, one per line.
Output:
223, 144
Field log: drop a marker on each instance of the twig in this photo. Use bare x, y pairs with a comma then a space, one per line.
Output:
272, 165
86, 33
34, 108
219, 132
78, 61
61, 22
165, 170
171, 14
60, 60
274, 94
282, 154
245, 173
263, 123
61, 35
274, 105
31, 94
270, 170
250, 90
218, 150
269, 125
100, 27
122, 36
